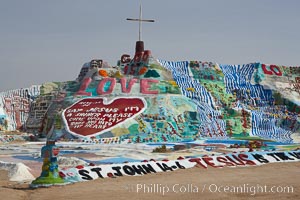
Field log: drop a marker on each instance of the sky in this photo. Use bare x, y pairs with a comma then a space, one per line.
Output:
49, 40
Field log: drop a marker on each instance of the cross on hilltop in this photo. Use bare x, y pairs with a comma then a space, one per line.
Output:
140, 20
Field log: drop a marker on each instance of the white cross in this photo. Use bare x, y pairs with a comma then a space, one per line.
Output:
140, 20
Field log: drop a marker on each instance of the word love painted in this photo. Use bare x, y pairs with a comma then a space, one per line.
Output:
93, 116
271, 70
145, 85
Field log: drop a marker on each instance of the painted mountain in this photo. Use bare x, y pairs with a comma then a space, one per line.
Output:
143, 99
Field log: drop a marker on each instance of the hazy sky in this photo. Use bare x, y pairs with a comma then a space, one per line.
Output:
49, 40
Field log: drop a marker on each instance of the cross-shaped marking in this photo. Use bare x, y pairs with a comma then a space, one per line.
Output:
140, 20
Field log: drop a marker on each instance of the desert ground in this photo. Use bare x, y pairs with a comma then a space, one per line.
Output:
270, 181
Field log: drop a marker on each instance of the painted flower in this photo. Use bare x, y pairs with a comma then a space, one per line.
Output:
143, 70
70, 174
79, 166
103, 73
110, 175
61, 174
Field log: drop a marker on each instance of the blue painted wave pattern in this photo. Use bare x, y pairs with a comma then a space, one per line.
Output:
210, 125
238, 79
266, 127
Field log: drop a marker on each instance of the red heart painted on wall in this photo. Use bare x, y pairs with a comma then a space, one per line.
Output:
93, 116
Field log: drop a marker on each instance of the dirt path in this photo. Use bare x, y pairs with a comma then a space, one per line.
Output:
195, 183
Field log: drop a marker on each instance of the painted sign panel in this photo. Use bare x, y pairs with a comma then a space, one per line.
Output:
93, 116
244, 159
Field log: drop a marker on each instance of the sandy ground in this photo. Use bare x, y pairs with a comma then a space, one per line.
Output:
196, 183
